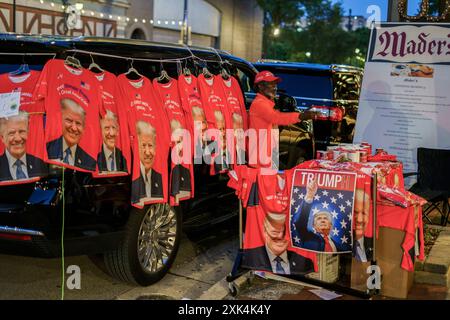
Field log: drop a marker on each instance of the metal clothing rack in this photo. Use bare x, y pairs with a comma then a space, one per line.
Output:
238, 271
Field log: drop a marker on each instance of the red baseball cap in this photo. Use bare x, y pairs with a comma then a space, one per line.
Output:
266, 76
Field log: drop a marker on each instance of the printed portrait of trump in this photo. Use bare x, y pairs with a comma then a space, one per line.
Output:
66, 147
15, 162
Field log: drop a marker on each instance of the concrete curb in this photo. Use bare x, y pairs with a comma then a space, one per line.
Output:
220, 290
436, 267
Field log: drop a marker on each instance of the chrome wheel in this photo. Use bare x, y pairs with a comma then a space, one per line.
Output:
156, 237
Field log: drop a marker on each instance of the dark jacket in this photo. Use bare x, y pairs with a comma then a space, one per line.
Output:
181, 180
309, 240
368, 247
257, 258
121, 162
35, 167
82, 159
138, 187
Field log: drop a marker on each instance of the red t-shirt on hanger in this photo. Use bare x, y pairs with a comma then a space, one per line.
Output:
214, 104
182, 173
195, 114
114, 158
235, 106
22, 148
72, 103
150, 140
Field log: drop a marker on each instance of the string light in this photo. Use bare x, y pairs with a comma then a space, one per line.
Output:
119, 18
424, 10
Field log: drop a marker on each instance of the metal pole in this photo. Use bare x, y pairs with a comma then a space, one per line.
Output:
374, 215
393, 15
14, 16
185, 22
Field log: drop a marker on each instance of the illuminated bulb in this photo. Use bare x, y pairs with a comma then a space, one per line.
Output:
180, 22
52, 4
41, 1
92, 13
128, 19
143, 20
101, 15
166, 22
135, 20
62, 7
110, 16
151, 21
159, 21
119, 18
83, 12
173, 22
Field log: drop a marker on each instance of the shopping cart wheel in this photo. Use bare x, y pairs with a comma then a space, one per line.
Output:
232, 287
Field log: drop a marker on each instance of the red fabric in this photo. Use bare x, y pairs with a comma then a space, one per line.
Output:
169, 96
61, 84
217, 116
191, 102
263, 116
271, 197
237, 112
138, 99
404, 219
108, 83
34, 143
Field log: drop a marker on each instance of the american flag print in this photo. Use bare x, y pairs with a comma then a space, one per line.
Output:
334, 199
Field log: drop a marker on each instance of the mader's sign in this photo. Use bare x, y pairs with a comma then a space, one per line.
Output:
405, 102
426, 44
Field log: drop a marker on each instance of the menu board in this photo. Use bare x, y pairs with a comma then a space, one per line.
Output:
405, 97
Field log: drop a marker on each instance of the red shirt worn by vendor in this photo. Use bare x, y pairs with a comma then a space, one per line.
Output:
263, 117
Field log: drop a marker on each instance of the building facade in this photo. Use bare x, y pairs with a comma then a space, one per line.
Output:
232, 25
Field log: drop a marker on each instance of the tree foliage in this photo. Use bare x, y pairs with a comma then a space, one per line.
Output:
310, 30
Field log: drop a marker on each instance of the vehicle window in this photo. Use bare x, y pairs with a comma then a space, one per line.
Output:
305, 85
245, 81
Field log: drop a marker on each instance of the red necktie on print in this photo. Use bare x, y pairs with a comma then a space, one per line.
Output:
328, 247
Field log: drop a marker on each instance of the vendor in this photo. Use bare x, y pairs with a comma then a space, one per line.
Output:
263, 117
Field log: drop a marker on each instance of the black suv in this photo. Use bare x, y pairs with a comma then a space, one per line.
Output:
138, 246
332, 90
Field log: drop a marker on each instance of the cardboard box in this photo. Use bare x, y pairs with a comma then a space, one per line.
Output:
328, 268
395, 281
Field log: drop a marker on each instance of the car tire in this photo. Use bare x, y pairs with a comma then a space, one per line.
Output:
149, 245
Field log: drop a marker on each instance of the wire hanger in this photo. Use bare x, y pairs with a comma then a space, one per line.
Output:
24, 68
132, 70
207, 73
164, 77
186, 71
73, 62
224, 73
94, 65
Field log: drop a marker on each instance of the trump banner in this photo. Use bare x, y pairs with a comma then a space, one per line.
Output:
321, 211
